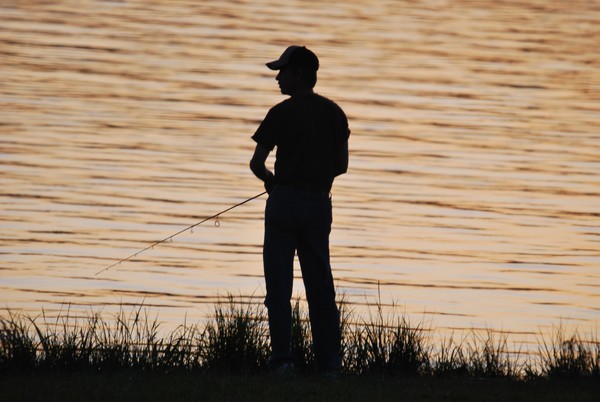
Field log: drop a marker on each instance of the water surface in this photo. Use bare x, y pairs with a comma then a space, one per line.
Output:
472, 195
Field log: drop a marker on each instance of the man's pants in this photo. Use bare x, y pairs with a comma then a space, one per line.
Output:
299, 220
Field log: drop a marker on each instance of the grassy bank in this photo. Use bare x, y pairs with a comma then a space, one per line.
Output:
385, 355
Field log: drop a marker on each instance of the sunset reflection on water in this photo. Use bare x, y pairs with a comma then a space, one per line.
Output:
472, 195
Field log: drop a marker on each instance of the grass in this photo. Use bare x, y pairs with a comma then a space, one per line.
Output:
234, 341
569, 356
385, 357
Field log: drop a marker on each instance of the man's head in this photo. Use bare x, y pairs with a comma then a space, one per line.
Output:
298, 69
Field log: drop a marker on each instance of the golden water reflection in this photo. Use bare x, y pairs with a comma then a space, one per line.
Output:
472, 195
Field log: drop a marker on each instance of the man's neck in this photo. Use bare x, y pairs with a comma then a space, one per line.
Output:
303, 91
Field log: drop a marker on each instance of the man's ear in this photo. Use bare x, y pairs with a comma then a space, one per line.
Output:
297, 73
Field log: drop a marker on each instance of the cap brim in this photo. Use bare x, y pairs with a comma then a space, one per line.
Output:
276, 65
283, 59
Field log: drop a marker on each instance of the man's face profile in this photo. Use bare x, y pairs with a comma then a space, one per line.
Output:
288, 79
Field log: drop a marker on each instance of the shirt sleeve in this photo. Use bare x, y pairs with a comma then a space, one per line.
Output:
266, 134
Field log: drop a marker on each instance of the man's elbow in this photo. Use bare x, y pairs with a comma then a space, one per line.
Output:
254, 166
341, 170
341, 165
341, 162
257, 167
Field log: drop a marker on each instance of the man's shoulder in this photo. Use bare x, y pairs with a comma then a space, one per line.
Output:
292, 104
282, 107
287, 102
327, 102
325, 99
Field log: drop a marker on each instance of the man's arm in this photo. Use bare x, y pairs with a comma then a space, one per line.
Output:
258, 167
341, 160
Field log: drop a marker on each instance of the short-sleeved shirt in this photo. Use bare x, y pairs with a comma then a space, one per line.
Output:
308, 131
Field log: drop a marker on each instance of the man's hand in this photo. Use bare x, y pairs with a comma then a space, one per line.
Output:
269, 182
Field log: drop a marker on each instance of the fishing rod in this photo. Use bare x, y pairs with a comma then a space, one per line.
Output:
181, 231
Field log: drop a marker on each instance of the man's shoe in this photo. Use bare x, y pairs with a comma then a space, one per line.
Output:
285, 370
330, 374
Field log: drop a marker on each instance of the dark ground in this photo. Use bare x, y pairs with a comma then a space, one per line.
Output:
133, 385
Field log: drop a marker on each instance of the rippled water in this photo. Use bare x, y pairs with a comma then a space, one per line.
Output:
472, 195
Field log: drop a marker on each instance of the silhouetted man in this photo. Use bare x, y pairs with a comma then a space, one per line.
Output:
311, 135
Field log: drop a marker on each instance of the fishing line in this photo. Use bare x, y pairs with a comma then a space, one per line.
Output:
191, 228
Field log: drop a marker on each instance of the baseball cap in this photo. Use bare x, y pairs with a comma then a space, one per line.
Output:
298, 56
